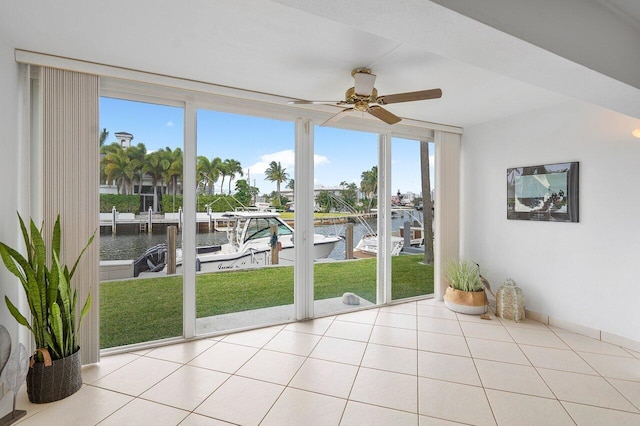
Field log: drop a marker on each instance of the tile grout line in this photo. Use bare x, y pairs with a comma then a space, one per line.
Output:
233, 374
353, 383
484, 389
368, 343
287, 386
540, 375
560, 401
606, 379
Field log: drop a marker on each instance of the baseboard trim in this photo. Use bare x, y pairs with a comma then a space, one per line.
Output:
583, 330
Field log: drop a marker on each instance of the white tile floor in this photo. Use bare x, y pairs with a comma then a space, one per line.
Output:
411, 364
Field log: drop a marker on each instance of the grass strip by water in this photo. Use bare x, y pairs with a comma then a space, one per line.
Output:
140, 310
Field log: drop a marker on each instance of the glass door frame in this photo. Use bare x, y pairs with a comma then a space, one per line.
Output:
304, 120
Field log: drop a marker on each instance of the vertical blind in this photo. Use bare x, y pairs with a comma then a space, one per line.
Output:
447, 205
70, 179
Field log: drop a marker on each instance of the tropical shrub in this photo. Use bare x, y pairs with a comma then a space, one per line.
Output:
122, 203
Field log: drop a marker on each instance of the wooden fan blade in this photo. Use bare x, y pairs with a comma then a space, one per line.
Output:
364, 83
383, 114
337, 117
409, 96
314, 102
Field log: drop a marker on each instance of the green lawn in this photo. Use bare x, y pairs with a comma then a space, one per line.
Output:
140, 310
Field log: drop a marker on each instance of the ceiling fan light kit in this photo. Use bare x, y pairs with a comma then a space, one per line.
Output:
363, 97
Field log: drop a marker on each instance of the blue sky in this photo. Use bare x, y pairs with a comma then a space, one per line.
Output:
340, 155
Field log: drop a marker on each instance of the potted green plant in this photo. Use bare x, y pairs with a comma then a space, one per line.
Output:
54, 368
465, 293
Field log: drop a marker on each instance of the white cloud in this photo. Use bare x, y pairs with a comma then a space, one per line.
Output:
320, 159
170, 124
287, 161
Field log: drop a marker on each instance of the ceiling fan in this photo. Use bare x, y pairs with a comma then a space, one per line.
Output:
364, 97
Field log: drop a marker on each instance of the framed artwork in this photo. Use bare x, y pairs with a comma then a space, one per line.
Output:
547, 192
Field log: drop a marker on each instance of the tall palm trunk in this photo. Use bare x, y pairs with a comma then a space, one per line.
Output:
278, 191
427, 205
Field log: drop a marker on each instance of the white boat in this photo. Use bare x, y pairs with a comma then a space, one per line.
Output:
416, 237
249, 244
368, 245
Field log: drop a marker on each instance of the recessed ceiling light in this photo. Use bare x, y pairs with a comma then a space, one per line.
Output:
636, 133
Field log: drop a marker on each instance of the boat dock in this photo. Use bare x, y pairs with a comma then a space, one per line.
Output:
130, 223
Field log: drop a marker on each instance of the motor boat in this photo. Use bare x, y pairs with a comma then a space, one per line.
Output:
249, 244
368, 246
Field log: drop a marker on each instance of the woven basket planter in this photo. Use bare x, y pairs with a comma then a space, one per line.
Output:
53, 380
466, 302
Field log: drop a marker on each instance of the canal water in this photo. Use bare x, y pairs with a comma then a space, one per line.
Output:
124, 247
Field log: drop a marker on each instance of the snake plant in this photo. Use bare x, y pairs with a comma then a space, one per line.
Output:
52, 300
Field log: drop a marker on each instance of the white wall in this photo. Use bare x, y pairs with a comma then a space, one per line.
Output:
9, 193
8, 173
587, 273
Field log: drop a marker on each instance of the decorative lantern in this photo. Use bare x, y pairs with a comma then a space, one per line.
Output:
510, 301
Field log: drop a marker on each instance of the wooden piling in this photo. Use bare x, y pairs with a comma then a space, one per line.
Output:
150, 221
348, 242
274, 247
407, 234
114, 220
172, 233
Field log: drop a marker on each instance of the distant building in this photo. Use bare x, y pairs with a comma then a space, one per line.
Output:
124, 139
334, 190
145, 190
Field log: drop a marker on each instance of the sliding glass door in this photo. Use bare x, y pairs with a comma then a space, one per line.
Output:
184, 186
345, 196
141, 160
412, 180
244, 214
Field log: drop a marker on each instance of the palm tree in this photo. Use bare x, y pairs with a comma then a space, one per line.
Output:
223, 169
103, 136
119, 168
104, 150
426, 203
276, 173
173, 173
155, 166
291, 184
349, 194
233, 168
137, 155
208, 173
369, 185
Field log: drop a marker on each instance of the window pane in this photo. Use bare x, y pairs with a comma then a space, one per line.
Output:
411, 270
140, 201
346, 176
244, 167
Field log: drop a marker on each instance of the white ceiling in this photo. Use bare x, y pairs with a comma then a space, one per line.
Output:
307, 49
629, 8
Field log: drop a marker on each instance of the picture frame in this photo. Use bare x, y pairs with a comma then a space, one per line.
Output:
547, 192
